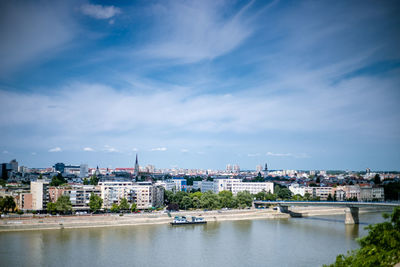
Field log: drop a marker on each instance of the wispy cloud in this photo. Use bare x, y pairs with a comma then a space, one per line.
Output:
88, 149
159, 149
46, 28
5, 152
55, 149
196, 30
99, 11
184, 150
110, 149
300, 155
253, 154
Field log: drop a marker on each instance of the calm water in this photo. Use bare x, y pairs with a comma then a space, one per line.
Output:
293, 242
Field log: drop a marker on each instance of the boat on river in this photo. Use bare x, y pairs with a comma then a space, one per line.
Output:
182, 220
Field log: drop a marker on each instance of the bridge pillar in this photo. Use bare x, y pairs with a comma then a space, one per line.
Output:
351, 215
284, 209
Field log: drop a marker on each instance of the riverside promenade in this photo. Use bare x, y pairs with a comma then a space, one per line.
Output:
40, 222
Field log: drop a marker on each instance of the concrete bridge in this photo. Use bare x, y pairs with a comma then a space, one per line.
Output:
351, 208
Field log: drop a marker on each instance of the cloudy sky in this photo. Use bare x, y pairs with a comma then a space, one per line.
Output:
200, 84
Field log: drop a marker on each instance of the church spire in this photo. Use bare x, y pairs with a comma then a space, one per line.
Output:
136, 166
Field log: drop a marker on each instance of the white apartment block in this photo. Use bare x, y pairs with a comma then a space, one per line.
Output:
145, 196
236, 185
40, 196
297, 190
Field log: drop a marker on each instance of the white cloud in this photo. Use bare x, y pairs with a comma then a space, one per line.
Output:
253, 154
88, 149
110, 149
33, 153
5, 152
159, 149
55, 149
279, 154
135, 149
100, 12
184, 150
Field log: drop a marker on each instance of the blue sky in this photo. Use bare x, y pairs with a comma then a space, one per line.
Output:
200, 84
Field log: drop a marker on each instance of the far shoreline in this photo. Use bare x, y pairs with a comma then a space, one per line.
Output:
156, 218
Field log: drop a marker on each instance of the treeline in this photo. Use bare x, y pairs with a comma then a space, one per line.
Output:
225, 199
207, 200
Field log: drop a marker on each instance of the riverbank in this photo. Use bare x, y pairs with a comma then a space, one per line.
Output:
107, 220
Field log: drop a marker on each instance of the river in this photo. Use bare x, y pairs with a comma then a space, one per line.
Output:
309, 241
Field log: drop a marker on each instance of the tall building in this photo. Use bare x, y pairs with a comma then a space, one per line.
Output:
266, 167
229, 168
84, 171
14, 165
40, 194
236, 168
59, 167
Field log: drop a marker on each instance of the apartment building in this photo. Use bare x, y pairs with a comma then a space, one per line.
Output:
40, 194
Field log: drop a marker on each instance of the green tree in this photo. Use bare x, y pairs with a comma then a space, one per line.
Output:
134, 207
297, 197
7, 204
245, 199
168, 196
123, 204
330, 198
114, 208
261, 195
95, 202
58, 180
51, 208
226, 199
307, 196
284, 193
85, 181
94, 180
179, 196
196, 202
379, 248
209, 200
186, 203
377, 179
63, 204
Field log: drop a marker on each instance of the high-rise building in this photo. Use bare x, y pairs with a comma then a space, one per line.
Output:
84, 171
59, 167
40, 195
266, 167
14, 165
236, 168
229, 168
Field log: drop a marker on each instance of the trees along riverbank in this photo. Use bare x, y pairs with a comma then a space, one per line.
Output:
381, 247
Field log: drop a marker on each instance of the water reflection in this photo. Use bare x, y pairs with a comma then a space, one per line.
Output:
352, 230
286, 242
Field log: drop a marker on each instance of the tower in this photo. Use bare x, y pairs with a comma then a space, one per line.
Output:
136, 171
266, 167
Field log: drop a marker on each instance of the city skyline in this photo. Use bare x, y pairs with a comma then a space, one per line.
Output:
299, 85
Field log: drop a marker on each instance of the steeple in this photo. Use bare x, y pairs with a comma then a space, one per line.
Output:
136, 173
